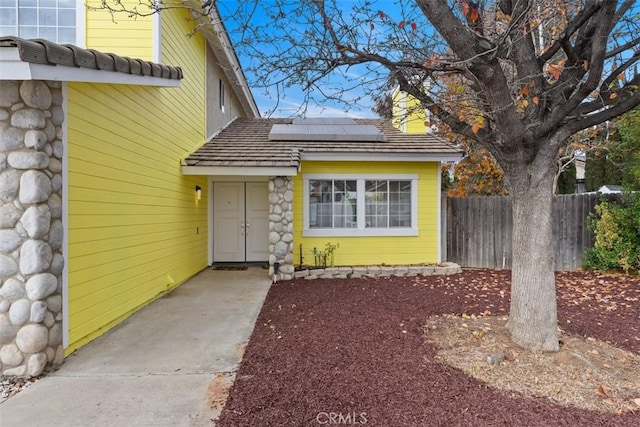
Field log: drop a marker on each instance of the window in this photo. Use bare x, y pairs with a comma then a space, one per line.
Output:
221, 91
360, 205
53, 20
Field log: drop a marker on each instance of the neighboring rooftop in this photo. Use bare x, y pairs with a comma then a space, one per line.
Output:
251, 142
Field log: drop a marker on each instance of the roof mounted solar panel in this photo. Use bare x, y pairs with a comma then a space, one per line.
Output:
319, 129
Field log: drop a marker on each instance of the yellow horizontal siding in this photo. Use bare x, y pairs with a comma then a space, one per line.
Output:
136, 229
392, 250
119, 33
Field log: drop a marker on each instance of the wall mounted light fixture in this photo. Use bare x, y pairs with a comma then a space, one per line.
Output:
198, 192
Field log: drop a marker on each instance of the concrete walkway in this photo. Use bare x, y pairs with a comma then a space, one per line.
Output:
162, 366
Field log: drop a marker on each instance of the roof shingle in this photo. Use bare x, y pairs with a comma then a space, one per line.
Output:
245, 142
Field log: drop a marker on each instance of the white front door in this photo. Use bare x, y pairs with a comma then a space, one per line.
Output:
240, 221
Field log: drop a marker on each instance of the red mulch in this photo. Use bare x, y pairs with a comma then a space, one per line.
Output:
340, 346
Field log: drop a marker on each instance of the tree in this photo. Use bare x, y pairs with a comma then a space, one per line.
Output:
538, 71
567, 180
532, 73
600, 170
625, 152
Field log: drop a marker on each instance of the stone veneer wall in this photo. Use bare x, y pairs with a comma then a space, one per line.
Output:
31, 231
281, 226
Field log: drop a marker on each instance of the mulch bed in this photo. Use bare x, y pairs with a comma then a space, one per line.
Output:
353, 352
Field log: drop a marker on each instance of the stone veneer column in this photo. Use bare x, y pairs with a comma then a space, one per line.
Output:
31, 232
281, 226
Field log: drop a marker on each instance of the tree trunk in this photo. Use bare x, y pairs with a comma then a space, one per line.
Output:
533, 318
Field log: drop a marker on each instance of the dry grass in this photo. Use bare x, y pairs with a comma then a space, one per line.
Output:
585, 373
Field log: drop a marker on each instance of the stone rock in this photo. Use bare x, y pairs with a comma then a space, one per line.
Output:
59, 357
54, 303
49, 320
10, 138
3, 161
7, 330
9, 216
55, 165
41, 286
35, 139
56, 96
8, 266
277, 209
28, 160
9, 93
4, 305
48, 150
50, 130
58, 149
29, 118
9, 240
19, 312
36, 221
38, 310
55, 335
495, 358
18, 371
288, 216
274, 198
274, 237
281, 249
55, 204
35, 94
51, 353
12, 290
57, 115
32, 338
56, 183
36, 364
35, 187
35, 256
57, 264
287, 238
18, 106
9, 185
56, 235
4, 114
288, 196
11, 355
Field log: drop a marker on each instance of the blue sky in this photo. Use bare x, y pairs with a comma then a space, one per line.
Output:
291, 103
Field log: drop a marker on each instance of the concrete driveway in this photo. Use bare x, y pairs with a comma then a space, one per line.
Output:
165, 365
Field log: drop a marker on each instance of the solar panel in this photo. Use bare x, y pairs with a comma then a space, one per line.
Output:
321, 129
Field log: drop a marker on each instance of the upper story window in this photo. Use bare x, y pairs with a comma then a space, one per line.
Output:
369, 205
221, 91
53, 20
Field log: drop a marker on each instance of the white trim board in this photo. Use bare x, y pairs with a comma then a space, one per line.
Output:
240, 170
381, 157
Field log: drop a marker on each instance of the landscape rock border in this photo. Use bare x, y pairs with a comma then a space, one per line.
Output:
375, 271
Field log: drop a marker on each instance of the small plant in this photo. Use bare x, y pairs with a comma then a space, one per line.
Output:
321, 256
617, 236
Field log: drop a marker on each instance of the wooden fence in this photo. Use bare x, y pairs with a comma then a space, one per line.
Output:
476, 231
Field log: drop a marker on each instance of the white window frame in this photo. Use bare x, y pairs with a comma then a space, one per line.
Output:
361, 230
79, 24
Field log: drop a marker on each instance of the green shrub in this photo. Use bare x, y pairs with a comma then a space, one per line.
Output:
617, 236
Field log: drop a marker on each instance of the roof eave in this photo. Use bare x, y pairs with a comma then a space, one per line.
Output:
240, 170
381, 156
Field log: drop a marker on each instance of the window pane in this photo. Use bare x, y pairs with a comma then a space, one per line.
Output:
47, 3
10, 31
47, 17
66, 17
320, 203
48, 33
71, 4
29, 32
7, 3
344, 204
8, 17
67, 35
28, 16
376, 204
400, 207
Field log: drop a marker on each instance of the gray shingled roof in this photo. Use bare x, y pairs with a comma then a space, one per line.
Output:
39, 51
245, 142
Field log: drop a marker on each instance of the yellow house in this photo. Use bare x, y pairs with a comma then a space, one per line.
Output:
408, 115
97, 218
288, 189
